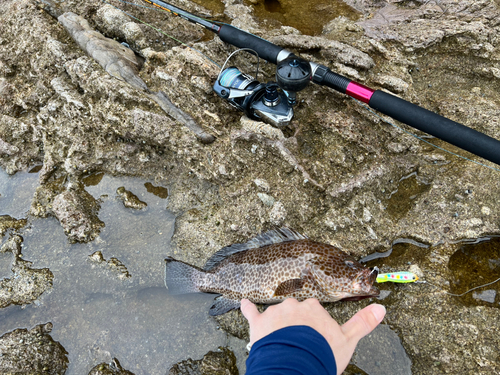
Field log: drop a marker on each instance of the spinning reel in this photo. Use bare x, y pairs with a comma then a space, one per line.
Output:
271, 102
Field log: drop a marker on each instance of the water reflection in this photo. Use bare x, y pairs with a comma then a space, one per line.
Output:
96, 313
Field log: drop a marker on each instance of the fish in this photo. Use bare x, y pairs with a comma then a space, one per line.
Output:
271, 267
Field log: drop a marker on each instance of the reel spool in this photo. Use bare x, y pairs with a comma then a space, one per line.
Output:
263, 102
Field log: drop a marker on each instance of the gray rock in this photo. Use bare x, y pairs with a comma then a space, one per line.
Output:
129, 199
75, 209
32, 351
112, 368
212, 363
27, 283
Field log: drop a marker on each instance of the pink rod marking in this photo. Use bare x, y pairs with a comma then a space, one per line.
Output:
360, 92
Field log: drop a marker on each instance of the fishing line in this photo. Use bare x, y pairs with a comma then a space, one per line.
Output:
422, 139
410, 277
453, 294
157, 29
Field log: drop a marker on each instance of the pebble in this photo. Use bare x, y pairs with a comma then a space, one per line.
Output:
266, 199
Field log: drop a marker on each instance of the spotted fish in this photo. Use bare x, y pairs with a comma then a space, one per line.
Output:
270, 268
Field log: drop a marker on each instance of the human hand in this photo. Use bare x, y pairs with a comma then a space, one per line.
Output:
342, 339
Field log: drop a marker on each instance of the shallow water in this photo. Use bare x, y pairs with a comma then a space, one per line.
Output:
16, 193
473, 264
97, 313
308, 17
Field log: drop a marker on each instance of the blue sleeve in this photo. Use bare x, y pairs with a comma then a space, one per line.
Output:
296, 350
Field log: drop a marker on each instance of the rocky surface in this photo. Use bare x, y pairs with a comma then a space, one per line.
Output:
26, 283
222, 362
339, 173
112, 368
75, 209
32, 352
129, 199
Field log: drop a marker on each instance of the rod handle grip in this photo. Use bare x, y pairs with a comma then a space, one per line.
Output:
441, 127
241, 39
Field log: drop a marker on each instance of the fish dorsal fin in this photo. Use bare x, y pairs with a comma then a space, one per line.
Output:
283, 234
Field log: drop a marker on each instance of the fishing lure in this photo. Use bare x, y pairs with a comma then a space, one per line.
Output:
397, 277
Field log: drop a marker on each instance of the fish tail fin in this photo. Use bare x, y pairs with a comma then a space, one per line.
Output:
180, 277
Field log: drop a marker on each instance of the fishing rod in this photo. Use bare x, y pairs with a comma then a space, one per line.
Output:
267, 103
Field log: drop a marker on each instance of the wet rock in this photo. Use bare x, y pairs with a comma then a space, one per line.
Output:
113, 264
278, 213
129, 199
330, 49
27, 283
381, 352
12, 245
235, 323
112, 368
7, 222
77, 213
442, 336
261, 128
12, 132
31, 352
262, 184
394, 84
222, 362
118, 24
117, 266
97, 257
75, 209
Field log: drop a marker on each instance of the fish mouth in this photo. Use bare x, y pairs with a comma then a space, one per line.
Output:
362, 294
363, 286
374, 292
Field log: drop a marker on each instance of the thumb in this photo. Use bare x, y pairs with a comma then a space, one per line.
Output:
363, 322
249, 310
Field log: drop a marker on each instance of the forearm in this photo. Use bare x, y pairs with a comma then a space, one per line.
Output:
297, 350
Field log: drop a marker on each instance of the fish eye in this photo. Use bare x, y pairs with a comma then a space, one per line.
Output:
349, 263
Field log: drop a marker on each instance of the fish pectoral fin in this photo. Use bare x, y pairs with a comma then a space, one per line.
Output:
289, 286
222, 305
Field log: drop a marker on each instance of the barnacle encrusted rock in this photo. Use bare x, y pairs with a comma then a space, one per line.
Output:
129, 199
27, 283
33, 351
112, 368
213, 363
75, 209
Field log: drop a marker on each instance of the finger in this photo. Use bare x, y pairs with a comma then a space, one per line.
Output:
363, 322
249, 310
312, 302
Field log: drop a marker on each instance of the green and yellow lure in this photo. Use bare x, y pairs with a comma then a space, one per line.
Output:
397, 277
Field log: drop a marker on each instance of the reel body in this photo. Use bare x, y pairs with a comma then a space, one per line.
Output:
262, 102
